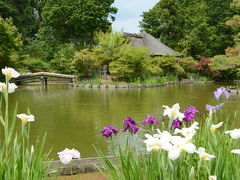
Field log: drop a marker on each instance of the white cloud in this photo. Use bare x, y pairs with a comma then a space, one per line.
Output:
129, 14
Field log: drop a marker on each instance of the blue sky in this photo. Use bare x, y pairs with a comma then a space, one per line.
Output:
129, 14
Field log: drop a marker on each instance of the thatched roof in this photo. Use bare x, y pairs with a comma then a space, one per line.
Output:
148, 41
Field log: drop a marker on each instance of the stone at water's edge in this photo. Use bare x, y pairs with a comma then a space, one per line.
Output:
85, 165
86, 176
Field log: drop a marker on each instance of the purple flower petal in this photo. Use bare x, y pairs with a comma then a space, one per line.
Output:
219, 92
227, 94
115, 131
189, 113
108, 130
150, 120
133, 128
129, 123
213, 108
176, 124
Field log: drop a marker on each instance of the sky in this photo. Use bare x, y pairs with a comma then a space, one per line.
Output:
129, 14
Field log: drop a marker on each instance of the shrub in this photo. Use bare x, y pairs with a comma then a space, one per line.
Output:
163, 66
130, 63
33, 65
188, 64
227, 68
86, 62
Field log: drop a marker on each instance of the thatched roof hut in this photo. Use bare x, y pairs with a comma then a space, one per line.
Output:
148, 41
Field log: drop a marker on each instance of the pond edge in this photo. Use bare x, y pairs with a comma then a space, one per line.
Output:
95, 86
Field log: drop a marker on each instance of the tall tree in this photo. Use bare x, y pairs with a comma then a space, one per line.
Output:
196, 32
234, 22
76, 20
219, 11
162, 22
23, 15
196, 26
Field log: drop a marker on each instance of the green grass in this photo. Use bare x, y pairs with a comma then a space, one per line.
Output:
147, 81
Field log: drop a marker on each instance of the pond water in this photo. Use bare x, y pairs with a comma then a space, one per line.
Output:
73, 117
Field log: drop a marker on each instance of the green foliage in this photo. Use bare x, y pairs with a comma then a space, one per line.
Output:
85, 62
227, 67
164, 65
77, 20
109, 44
39, 49
188, 64
129, 64
10, 41
61, 63
30, 64
162, 19
234, 23
196, 27
23, 15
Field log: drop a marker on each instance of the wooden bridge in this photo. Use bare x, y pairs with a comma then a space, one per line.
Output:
43, 77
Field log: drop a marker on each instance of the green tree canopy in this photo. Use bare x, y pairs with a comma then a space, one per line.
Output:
23, 15
193, 26
76, 20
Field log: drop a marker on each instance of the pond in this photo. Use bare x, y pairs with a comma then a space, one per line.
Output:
73, 117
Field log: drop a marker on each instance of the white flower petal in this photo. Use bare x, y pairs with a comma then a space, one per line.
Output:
189, 148
11, 87
212, 178
26, 118
66, 158
235, 151
10, 73
173, 154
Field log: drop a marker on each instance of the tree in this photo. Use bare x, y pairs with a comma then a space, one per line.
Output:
196, 27
10, 41
219, 11
196, 32
22, 13
234, 22
162, 21
77, 20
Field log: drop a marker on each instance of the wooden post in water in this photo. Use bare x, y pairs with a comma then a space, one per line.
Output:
45, 80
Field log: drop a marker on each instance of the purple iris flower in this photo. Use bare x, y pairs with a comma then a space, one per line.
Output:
150, 120
108, 130
214, 108
129, 123
189, 113
176, 124
219, 92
